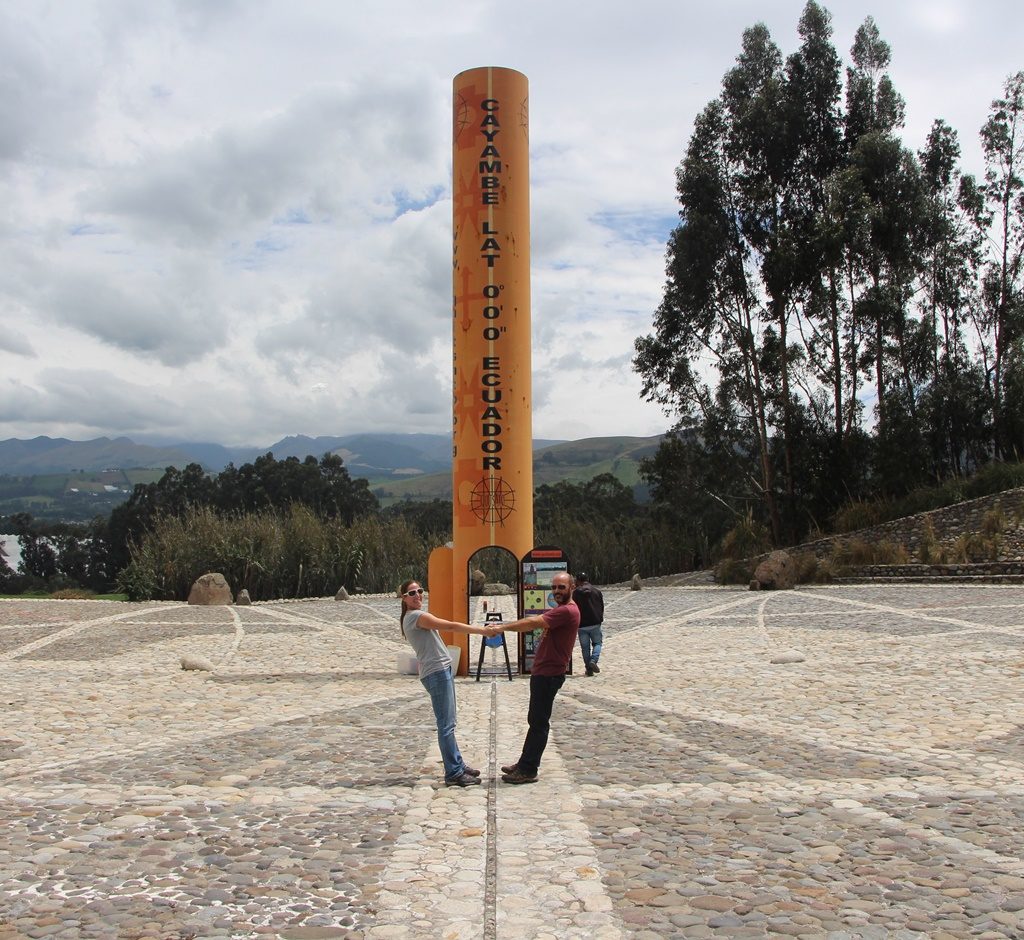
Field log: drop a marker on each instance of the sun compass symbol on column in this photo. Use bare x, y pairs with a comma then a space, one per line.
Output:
492, 500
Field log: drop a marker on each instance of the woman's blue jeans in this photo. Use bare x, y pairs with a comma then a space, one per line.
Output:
442, 696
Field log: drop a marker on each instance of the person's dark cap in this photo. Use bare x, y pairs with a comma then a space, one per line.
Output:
582, 576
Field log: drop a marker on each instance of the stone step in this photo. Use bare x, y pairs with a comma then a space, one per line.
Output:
935, 579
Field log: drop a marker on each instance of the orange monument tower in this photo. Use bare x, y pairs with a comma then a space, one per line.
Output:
492, 429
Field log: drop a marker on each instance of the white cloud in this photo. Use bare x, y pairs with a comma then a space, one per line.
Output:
231, 221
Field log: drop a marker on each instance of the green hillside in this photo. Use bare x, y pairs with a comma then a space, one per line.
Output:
71, 497
575, 461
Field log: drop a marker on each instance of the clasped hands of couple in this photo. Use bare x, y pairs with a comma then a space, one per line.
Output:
496, 629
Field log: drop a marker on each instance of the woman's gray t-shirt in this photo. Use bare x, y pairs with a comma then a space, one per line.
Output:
431, 653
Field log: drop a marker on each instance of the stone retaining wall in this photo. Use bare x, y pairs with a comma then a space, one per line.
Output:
978, 569
948, 525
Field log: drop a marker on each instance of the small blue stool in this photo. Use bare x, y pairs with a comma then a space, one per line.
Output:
493, 642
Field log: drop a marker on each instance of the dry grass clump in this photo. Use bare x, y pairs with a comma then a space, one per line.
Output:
856, 552
734, 571
73, 594
745, 539
809, 569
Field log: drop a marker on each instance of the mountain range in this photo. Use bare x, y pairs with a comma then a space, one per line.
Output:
372, 456
56, 479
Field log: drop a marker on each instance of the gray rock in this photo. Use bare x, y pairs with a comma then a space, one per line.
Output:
477, 582
776, 573
342, 594
635, 584
494, 589
210, 590
790, 656
243, 600
192, 661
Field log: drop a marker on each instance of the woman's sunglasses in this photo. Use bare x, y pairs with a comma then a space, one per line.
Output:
410, 593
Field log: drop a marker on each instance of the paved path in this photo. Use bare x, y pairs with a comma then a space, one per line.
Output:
692, 789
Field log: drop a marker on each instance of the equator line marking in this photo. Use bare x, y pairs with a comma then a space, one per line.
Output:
491, 860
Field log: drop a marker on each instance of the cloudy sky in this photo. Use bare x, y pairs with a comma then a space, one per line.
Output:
230, 220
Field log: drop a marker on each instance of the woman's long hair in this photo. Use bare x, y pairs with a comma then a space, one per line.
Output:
401, 594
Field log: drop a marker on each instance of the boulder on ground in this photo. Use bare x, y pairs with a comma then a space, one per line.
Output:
635, 584
477, 581
342, 594
193, 661
789, 656
776, 573
495, 588
243, 599
210, 590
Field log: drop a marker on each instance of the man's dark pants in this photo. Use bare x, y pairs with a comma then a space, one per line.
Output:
543, 690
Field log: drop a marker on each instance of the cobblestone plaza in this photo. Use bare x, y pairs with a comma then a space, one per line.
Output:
692, 789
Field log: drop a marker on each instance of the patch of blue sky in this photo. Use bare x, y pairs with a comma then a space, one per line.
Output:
294, 216
404, 202
642, 228
254, 256
87, 228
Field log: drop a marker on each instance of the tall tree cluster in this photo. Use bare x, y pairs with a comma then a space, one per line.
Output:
842, 317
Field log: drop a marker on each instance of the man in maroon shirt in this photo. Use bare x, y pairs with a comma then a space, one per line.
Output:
560, 625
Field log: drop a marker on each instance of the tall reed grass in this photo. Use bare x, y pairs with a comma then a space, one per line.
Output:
273, 555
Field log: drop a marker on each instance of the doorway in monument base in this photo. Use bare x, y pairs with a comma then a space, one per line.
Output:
493, 578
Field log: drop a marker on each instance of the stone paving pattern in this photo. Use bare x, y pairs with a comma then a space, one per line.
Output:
692, 789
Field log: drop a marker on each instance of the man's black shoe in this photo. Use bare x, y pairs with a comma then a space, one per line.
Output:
463, 780
509, 768
595, 668
472, 771
519, 776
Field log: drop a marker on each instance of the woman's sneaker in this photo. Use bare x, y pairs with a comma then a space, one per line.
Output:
463, 780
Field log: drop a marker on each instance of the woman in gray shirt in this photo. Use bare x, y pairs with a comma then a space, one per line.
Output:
420, 628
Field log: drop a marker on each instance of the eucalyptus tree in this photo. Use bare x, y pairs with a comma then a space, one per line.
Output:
747, 257
1002, 139
709, 318
957, 414
885, 261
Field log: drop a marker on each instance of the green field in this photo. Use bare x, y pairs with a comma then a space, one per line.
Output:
70, 497
574, 461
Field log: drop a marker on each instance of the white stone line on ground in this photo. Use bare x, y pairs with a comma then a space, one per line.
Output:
549, 876
695, 614
789, 791
180, 797
762, 626
434, 879
914, 614
29, 624
934, 837
1011, 864
289, 617
757, 723
312, 618
193, 732
70, 631
235, 643
131, 622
